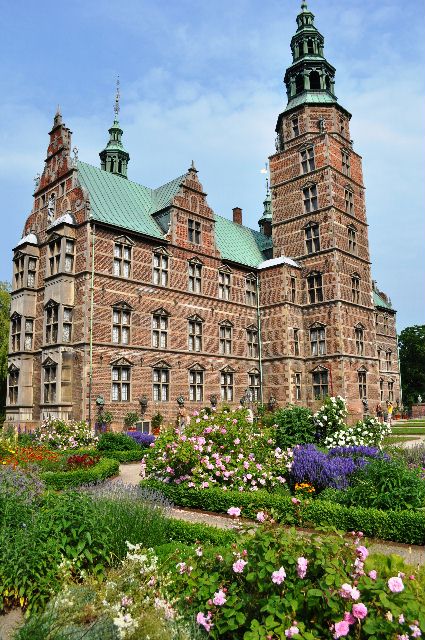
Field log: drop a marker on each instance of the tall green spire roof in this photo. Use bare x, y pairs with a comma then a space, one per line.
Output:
310, 78
114, 158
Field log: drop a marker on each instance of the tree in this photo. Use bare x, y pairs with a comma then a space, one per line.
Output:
412, 363
4, 340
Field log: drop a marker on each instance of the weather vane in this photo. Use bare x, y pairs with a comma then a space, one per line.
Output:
117, 99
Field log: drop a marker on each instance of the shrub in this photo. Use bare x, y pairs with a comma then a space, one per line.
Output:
274, 583
105, 468
294, 425
330, 417
142, 439
77, 461
130, 418
61, 434
157, 420
369, 431
116, 442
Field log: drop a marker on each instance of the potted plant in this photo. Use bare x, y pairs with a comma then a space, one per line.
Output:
130, 420
156, 422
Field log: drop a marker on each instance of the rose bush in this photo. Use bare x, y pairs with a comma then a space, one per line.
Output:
367, 432
330, 417
63, 434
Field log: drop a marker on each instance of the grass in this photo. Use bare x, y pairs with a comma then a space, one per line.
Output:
408, 431
397, 440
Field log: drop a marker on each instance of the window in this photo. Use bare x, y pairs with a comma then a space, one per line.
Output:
19, 271
342, 126
52, 322
13, 385
320, 384
122, 260
252, 340
317, 341
312, 238
293, 290
194, 231
161, 384
54, 256
226, 386
295, 127
29, 333
388, 360
297, 384
120, 325
50, 383
32, 269
121, 384
251, 291
296, 342
224, 285
160, 269
315, 290
349, 202
390, 390
307, 160
226, 339
385, 323
67, 324
381, 358
69, 256
346, 169
361, 376
310, 198
254, 385
359, 334
196, 385
159, 330
15, 331
355, 288
381, 390
195, 277
195, 334
352, 240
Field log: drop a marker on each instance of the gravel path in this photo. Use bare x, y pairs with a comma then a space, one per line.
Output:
412, 554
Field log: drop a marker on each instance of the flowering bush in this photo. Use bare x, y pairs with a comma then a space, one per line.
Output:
276, 584
222, 449
333, 469
83, 461
62, 434
293, 425
24, 456
330, 417
365, 432
142, 439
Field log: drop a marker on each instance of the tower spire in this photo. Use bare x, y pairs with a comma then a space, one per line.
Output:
114, 158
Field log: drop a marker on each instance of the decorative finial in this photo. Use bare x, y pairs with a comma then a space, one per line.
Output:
265, 172
192, 167
304, 6
117, 99
36, 180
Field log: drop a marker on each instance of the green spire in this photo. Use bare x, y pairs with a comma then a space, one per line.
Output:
265, 221
114, 158
310, 78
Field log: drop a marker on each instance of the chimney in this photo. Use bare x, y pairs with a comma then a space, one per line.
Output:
237, 215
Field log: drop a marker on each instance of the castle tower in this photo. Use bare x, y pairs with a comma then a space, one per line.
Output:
114, 158
319, 220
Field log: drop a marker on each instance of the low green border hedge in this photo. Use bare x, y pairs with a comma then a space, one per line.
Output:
192, 532
132, 455
105, 468
397, 526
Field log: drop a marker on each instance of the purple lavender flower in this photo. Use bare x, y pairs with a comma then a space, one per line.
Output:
142, 439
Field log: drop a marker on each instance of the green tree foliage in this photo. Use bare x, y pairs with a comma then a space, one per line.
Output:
4, 340
412, 363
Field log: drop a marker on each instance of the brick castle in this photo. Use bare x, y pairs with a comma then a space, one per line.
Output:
140, 299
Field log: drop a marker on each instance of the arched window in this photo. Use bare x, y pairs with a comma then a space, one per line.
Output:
299, 83
310, 46
314, 81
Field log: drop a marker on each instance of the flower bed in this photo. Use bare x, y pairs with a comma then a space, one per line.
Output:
103, 469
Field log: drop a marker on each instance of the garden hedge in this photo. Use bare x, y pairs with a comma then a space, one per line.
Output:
132, 455
397, 526
105, 468
190, 533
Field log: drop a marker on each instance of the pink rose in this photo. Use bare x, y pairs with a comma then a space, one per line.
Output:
204, 621
295, 501
219, 598
359, 611
348, 617
362, 552
372, 574
279, 576
292, 631
239, 565
342, 628
416, 632
261, 516
234, 511
302, 564
395, 585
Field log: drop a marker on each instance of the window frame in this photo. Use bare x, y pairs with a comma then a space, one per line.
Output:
298, 386
296, 332
160, 268
320, 383
346, 162
119, 327
359, 338
51, 323
161, 384
15, 332
251, 291
349, 201
355, 288
310, 198
160, 328
195, 337
312, 237
254, 384
29, 333
196, 384
317, 335
252, 342
120, 382
50, 383
362, 383
225, 338
122, 263
307, 159
194, 275
388, 360
193, 231
227, 386
315, 287
13, 385
224, 284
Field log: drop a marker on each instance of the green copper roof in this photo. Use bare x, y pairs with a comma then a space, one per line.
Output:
240, 244
378, 301
311, 97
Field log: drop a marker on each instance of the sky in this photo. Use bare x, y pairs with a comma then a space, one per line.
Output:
204, 81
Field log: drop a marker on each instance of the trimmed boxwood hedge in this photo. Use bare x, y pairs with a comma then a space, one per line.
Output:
190, 533
132, 455
105, 468
397, 526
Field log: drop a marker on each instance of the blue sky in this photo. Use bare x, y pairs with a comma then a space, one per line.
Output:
204, 81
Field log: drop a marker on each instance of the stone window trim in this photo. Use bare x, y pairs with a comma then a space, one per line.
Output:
13, 384
57, 322
160, 328
293, 282
346, 161
24, 271
381, 389
194, 273
195, 330
349, 199
227, 384
355, 288
161, 259
194, 231
225, 329
122, 256
359, 338
362, 382
28, 331
161, 381
307, 159
317, 333
297, 380
296, 332
196, 373
320, 382
295, 126
352, 239
390, 390
121, 322
310, 197
312, 237
315, 287
15, 331
60, 258
224, 283
388, 359
251, 290
252, 340
254, 384
50, 381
